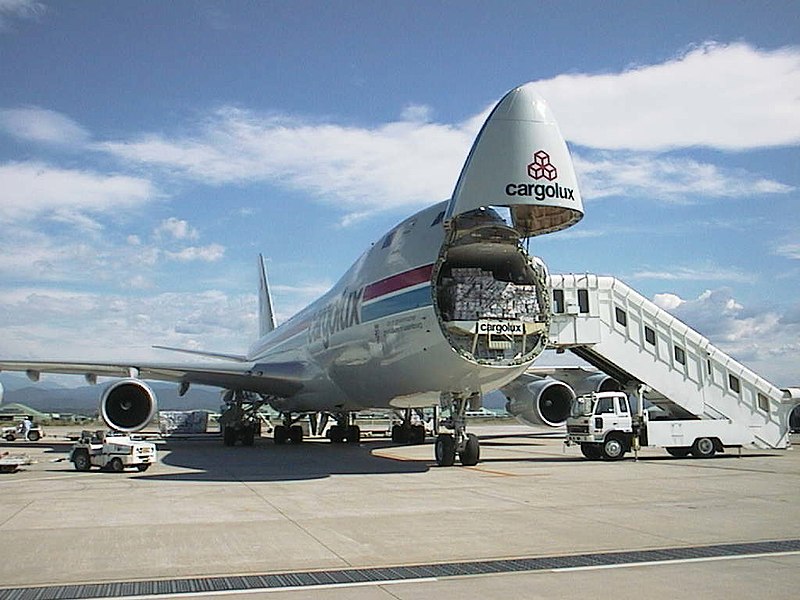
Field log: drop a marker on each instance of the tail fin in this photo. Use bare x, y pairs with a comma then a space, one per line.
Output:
266, 318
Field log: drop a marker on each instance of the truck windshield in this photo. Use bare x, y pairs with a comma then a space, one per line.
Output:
582, 406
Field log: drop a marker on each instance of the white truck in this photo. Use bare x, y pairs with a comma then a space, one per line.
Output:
113, 451
604, 426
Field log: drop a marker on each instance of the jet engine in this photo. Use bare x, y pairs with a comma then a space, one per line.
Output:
128, 405
538, 401
599, 382
545, 400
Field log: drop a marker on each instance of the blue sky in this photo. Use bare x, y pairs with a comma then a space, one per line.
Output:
149, 151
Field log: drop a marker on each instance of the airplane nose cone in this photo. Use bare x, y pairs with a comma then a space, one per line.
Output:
524, 104
520, 160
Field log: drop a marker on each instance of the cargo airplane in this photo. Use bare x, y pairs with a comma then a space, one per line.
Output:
444, 307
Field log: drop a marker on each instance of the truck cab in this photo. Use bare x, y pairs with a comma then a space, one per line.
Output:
602, 424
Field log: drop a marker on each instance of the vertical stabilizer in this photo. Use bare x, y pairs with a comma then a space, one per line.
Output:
266, 318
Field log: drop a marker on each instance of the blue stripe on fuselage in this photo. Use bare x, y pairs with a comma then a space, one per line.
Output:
396, 304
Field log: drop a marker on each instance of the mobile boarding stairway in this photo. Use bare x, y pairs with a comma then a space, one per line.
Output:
625, 335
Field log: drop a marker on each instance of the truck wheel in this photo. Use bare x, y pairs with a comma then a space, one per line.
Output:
10, 437
679, 452
80, 459
613, 449
353, 434
33, 436
143, 467
445, 450
591, 451
703, 448
116, 465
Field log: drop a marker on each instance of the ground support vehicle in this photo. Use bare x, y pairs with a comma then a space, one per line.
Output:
112, 451
9, 463
604, 426
35, 433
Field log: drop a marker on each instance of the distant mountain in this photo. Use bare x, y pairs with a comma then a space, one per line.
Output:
85, 400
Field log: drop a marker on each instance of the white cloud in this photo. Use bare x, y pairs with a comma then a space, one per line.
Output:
668, 301
363, 170
210, 253
43, 126
19, 9
789, 250
177, 229
667, 178
55, 324
704, 272
417, 113
730, 96
765, 339
29, 190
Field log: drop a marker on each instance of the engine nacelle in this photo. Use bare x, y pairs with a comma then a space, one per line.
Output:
539, 401
128, 405
599, 382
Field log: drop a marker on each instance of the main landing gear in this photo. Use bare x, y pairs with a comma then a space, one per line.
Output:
344, 431
406, 432
288, 430
241, 421
465, 445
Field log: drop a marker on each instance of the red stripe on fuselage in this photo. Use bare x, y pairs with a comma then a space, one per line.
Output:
398, 282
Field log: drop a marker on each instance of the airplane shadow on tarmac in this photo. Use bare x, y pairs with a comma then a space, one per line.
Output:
209, 460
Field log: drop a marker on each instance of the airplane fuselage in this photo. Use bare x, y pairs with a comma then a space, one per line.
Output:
378, 338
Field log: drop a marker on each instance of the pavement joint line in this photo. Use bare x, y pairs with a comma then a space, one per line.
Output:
365, 576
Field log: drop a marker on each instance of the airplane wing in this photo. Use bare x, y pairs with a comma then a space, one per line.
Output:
277, 379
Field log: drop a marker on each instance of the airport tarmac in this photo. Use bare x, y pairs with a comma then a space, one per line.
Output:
317, 521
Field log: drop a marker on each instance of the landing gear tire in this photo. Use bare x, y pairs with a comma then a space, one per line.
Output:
116, 465
703, 448
336, 434
445, 450
280, 435
613, 449
679, 452
471, 453
296, 434
229, 436
247, 435
81, 461
418, 434
592, 451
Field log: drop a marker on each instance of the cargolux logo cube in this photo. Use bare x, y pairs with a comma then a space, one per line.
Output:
541, 167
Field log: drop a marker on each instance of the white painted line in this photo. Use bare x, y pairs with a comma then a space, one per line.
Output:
256, 590
676, 561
